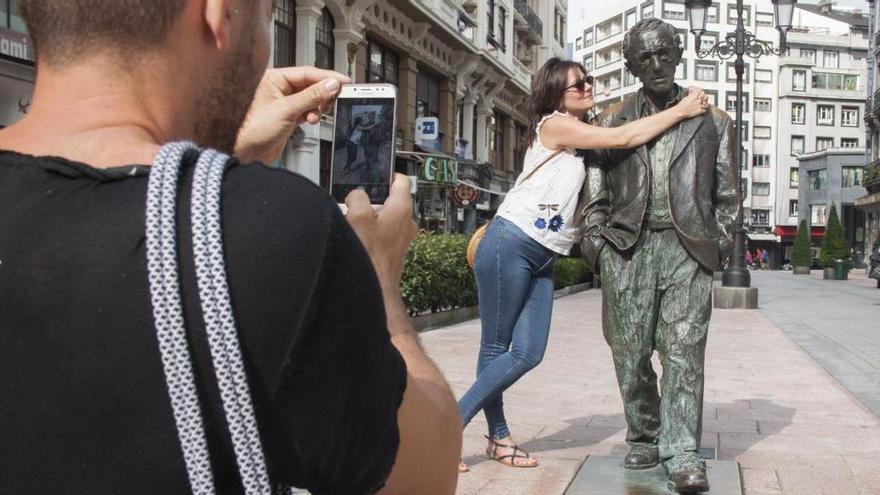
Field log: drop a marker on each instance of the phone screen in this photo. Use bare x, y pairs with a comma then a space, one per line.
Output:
363, 154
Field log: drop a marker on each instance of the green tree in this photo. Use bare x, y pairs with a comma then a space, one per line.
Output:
800, 255
834, 245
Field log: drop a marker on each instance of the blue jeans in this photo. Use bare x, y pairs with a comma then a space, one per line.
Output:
515, 283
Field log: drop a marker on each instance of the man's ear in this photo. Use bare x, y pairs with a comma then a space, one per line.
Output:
680, 52
217, 14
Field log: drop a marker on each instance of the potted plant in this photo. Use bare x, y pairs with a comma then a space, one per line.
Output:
800, 253
834, 248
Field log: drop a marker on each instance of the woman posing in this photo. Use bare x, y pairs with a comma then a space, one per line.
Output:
514, 261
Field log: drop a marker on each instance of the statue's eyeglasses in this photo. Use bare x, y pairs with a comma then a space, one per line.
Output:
581, 84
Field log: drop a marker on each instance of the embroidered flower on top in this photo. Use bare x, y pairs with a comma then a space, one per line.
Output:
556, 223
541, 223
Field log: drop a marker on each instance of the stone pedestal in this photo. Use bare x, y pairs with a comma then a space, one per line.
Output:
735, 297
801, 270
606, 476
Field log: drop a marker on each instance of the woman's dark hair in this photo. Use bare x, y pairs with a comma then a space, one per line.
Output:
548, 87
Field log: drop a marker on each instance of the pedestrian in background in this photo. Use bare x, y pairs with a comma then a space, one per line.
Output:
514, 262
748, 259
874, 269
344, 398
765, 259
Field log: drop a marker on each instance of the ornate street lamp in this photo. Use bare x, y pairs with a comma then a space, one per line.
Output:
739, 43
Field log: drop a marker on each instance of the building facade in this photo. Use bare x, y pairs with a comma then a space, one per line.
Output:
833, 176
17, 71
769, 172
467, 63
869, 204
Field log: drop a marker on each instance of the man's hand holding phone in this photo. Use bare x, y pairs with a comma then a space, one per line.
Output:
386, 235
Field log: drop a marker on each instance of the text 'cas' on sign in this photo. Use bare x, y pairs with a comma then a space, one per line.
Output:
439, 169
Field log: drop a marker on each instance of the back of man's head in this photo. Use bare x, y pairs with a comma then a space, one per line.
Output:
65, 30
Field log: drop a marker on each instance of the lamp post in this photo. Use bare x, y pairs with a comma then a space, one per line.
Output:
737, 44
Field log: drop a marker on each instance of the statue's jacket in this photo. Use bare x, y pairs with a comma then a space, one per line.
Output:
703, 193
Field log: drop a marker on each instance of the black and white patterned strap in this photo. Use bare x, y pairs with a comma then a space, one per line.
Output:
217, 312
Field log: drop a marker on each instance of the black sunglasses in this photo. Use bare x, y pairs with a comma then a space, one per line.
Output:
581, 84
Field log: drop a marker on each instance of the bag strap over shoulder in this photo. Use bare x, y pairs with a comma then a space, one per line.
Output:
552, 156
219, 319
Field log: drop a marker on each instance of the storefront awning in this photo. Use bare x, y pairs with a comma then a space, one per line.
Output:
762, 237
791, 231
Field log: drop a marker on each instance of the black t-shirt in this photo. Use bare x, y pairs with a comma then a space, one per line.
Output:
84, 408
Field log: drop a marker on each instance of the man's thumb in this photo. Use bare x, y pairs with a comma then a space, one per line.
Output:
311, 98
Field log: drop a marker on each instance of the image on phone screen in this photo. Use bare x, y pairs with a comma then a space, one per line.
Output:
364, 148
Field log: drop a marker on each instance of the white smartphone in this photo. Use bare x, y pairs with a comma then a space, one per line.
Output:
363, 141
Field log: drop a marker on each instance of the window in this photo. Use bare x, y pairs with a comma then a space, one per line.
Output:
630, 19
793, 177
10, 17
325, 44
849, 116
823, 143
732, 17
673, 10
830, 59
501, 35
708, 40
712, 95
763, 75
760, 188
285, 33
744, 187
764, 19
761, 218
849, 142
647, 10
798, 80
681, 69
763, 104
588, 37
577, 43
818, 179
628, 78
683, 35
730, 104
760, 161
797, 145
792, 207
853, 176
847, 82
762, 132
490, 24
731, 73
712, 13
706, 71
798, 113
745, 132
588, 61
808, 54
825, 114
427, 94
496, 139
383, 64
467, 27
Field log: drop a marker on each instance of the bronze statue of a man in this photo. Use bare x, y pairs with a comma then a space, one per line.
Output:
657, 221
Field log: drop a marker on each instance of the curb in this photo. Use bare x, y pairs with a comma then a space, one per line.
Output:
434, 321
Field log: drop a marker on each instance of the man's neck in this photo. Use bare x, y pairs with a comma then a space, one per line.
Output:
98, 113
658, 102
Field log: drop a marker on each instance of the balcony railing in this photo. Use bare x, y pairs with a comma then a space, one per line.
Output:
872, 177
534, 22
876, 103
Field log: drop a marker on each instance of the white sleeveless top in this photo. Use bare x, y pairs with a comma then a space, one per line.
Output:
543, 207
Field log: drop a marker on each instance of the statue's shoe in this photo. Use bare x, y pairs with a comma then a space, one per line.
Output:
642, 457
689, 480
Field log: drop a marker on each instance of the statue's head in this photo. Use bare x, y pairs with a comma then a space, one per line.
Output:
653, 50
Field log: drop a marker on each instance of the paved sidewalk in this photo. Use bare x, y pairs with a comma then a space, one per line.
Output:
768, 405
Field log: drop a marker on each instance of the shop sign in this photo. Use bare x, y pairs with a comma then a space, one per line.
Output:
16, 45
439, 169
464, 194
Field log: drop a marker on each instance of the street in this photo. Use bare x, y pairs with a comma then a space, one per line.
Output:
771, 406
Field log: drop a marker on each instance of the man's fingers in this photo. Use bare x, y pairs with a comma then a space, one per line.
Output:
297, 78
301, 104
358, 204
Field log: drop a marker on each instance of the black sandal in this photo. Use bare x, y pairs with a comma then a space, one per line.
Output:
518, 453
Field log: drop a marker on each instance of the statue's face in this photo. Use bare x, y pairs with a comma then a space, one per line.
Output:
656, 58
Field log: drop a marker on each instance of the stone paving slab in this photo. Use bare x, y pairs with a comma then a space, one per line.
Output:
769, 406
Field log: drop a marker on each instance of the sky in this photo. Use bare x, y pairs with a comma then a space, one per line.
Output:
859, 4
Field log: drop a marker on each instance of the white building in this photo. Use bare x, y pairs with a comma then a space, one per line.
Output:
598, 31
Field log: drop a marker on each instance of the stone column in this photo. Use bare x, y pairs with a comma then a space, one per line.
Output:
470, 101
348, 43
481, 152
447, 115
307, 14
406, 99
